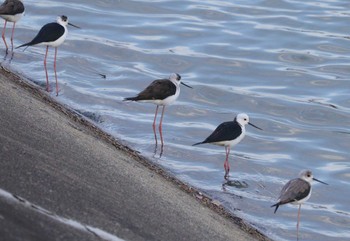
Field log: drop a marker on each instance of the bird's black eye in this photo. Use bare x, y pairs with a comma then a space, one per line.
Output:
308, 175
245, 119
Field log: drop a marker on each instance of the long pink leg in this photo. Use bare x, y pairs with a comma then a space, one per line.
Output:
154, 125
160, 126
298, 222
3, 35
226, 163
13, 31
54, 67
47, 76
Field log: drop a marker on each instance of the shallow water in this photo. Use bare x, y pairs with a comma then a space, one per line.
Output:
285, 63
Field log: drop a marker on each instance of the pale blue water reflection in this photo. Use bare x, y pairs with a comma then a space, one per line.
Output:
285, 63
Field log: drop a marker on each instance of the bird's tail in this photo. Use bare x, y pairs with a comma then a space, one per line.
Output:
26, 45
276, 205
130, 99
198, 143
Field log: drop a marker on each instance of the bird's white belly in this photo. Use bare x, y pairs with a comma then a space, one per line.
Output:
171, 99
167, 101
12, 18
230, 142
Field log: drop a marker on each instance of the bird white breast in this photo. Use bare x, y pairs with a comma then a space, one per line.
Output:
171, 99
12, 18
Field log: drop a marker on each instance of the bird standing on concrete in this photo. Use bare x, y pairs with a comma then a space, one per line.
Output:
11, 11
51, 34
229, 134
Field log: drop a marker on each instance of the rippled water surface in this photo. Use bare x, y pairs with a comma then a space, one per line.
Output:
285, 63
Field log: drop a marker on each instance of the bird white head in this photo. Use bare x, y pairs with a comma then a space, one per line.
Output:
307, 176
63, 20
176, 79
243, 119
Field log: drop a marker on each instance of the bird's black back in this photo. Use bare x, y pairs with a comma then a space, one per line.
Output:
158, 90
11, 7
226, 131
48, 33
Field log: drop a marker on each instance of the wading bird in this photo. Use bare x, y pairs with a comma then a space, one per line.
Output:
160, 92
229, 134
51, 34
11, 11
297, 191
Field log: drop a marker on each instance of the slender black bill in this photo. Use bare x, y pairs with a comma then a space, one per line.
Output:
319, 181
73, 25
254, 126
186, 85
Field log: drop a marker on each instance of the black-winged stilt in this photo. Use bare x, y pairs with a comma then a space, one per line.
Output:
160, 92
11, 11
51, 34
297, 191
229, 134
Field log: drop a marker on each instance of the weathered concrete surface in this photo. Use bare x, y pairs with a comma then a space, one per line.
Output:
60, 168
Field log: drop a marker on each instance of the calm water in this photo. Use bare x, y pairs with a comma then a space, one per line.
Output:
285, 63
